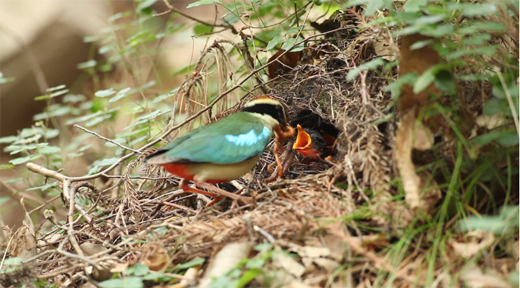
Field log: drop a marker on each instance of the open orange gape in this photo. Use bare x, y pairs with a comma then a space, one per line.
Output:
312, 144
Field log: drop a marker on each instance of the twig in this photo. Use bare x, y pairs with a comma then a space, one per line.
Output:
509, 99
264, 233
174, 205
105, 138
66, 181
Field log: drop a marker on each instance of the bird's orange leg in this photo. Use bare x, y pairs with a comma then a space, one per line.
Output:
280, 137
184, 186
235, 197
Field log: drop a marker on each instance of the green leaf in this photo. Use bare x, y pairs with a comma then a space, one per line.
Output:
477, 39
21, 160
6, 166
508, 139
105, 93
44, 187
274, 42
485, 139
431, 19
56, 88
372, 64
421, 44
351, 3
74, 98
128, 282
263, 246
145, 4
414, 5
505, 222
189, 264
157, 277
15, 180
137, 270
437, 31
102, 163
88, 64
97, 120
13, 261
498, 90
8, 139
47, 150
202, 29
475, 27
4, 80
121, 94
486, 50
289, 43
445, 82
473, 9
372, 7
247, 277
255, 263
145, 118
202, 2
294, 29
4, 199
424, 81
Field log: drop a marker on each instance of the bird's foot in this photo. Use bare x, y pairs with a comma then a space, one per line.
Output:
221, 193
186, 188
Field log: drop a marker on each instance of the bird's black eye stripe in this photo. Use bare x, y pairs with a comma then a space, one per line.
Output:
275, 111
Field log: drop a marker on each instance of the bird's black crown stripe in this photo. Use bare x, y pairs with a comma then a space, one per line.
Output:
275, 111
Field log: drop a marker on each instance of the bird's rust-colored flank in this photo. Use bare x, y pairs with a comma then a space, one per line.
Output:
182, 170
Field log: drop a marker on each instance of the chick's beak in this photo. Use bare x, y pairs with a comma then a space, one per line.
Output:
305, 145
303, 140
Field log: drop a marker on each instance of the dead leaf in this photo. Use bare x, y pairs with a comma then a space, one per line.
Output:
416, 61
298, 284
24, 242
478, 240
414, 184
289, 264
383, 47
155, 257
119, 267
189, 278
373, 242
475, 277
284, 64
226, 259
490, 122
336, 246
422, 137
309, 251
403, 154
327, 264
98, 274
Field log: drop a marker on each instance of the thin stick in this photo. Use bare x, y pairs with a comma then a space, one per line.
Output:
105, 138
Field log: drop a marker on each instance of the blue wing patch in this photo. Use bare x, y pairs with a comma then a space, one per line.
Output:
250, 138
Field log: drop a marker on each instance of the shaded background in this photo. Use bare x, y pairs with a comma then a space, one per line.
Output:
41, 44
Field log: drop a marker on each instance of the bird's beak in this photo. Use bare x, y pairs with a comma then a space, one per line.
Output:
303, 140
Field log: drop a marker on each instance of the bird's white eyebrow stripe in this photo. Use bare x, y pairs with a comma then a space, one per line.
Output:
248, 138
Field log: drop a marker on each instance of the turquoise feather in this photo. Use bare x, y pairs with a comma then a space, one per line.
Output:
233, 139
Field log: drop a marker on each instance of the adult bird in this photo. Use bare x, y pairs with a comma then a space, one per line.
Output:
226, 149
